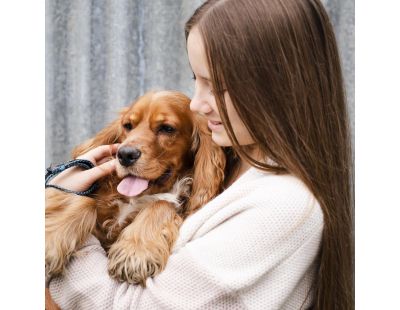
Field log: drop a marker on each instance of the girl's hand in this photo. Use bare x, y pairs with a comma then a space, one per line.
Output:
77, 179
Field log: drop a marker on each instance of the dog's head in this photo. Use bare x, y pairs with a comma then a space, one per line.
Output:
162, 140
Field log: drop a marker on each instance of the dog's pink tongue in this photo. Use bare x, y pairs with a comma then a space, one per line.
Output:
132, 186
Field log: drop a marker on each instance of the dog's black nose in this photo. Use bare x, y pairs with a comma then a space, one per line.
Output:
127, 155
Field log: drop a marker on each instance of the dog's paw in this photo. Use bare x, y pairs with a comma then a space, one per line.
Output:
134, 262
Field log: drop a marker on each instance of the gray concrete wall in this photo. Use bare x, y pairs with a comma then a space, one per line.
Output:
101, 55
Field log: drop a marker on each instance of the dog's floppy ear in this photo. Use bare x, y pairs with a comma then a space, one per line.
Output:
109, 135
209, 166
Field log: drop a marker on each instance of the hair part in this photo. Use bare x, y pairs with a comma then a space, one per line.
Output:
279, 62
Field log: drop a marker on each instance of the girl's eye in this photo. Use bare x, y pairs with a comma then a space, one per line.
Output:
211, 91
166, 129
128, 126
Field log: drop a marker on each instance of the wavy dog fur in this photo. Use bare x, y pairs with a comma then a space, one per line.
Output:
185, 169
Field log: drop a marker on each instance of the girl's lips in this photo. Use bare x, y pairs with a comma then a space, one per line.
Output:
215, 126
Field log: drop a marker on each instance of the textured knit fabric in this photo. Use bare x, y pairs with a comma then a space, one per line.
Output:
252, 247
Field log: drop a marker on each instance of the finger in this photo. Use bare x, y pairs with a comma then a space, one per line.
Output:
100, 152
104, 160
100, 171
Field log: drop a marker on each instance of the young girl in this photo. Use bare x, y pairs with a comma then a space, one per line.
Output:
268, 78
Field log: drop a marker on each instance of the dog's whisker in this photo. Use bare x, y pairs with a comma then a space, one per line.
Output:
161, 154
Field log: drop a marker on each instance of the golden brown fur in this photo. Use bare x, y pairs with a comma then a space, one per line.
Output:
143, 239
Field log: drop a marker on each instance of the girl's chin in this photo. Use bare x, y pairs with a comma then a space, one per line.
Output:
221, 138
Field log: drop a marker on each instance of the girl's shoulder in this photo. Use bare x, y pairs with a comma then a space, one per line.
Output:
266, 186
258, 201
276, 198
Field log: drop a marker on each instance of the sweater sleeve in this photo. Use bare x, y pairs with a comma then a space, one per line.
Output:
182, 285
256, 256
266, 254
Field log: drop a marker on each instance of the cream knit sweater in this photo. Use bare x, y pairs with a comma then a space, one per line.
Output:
252, 247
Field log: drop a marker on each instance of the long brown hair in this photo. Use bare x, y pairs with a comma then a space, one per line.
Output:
279, 62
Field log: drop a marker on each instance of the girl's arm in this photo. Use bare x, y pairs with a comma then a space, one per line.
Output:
255, 255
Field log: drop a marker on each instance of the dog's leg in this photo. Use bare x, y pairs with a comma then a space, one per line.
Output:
143, 248
69, 221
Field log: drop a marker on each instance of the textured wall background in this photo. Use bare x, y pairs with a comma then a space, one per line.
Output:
102, 54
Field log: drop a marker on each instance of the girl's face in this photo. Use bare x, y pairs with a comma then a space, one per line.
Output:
203, 101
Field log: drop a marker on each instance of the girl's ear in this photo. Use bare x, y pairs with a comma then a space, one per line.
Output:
209, 166
109, 135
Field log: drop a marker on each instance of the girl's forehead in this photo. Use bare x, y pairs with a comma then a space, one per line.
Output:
196, 53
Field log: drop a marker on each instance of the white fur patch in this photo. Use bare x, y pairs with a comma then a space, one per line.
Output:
124, 210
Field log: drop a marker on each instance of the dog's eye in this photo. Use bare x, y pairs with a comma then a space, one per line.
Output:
127, 126
166, 129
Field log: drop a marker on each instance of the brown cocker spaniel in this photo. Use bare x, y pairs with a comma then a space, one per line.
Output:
167, 168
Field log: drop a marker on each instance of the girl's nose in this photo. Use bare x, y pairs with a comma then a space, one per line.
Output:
199, 104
